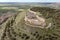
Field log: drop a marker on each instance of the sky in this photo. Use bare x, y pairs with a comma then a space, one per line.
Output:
29, 0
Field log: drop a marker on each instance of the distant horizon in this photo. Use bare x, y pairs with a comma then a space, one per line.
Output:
29, 0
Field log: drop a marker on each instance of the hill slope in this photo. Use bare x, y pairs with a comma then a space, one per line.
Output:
16, 29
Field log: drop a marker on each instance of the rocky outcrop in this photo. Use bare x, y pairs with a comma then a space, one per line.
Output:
34, 19
4, 17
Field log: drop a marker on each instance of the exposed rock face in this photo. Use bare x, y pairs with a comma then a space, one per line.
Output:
31, 15
34, 19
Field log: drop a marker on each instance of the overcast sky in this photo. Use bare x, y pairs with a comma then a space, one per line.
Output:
29, 0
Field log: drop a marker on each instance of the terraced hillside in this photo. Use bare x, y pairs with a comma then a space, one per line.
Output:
14, 28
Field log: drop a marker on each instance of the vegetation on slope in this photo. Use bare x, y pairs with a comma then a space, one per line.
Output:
16, 29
